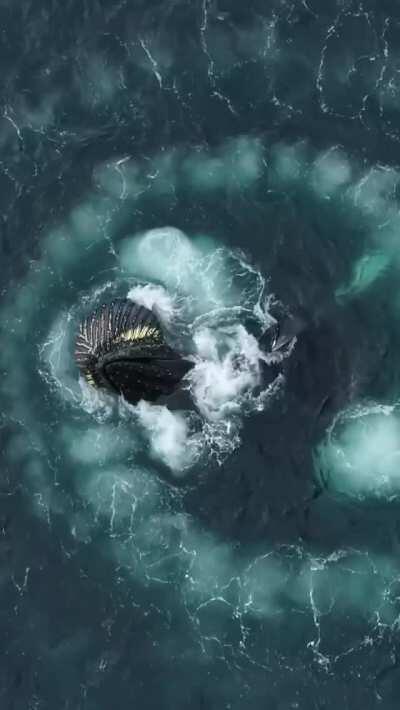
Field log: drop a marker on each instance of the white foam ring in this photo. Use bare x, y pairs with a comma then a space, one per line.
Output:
214, 295
155, 298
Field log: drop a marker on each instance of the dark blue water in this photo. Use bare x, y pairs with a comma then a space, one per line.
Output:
241, 551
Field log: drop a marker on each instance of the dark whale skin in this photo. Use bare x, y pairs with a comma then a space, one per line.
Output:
120, 347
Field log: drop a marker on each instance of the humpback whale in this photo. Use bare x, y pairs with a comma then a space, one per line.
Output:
121, 347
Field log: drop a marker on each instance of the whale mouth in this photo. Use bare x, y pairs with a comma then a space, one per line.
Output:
146, 378
120, 347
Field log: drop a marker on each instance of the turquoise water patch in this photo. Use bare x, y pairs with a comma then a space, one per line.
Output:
360, 456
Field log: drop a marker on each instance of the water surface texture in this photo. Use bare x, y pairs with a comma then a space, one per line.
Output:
230, 165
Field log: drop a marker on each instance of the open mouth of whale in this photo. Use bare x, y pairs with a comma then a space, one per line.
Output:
144, 377
121, 347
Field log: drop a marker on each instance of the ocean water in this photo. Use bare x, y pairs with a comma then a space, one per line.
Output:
229, 165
